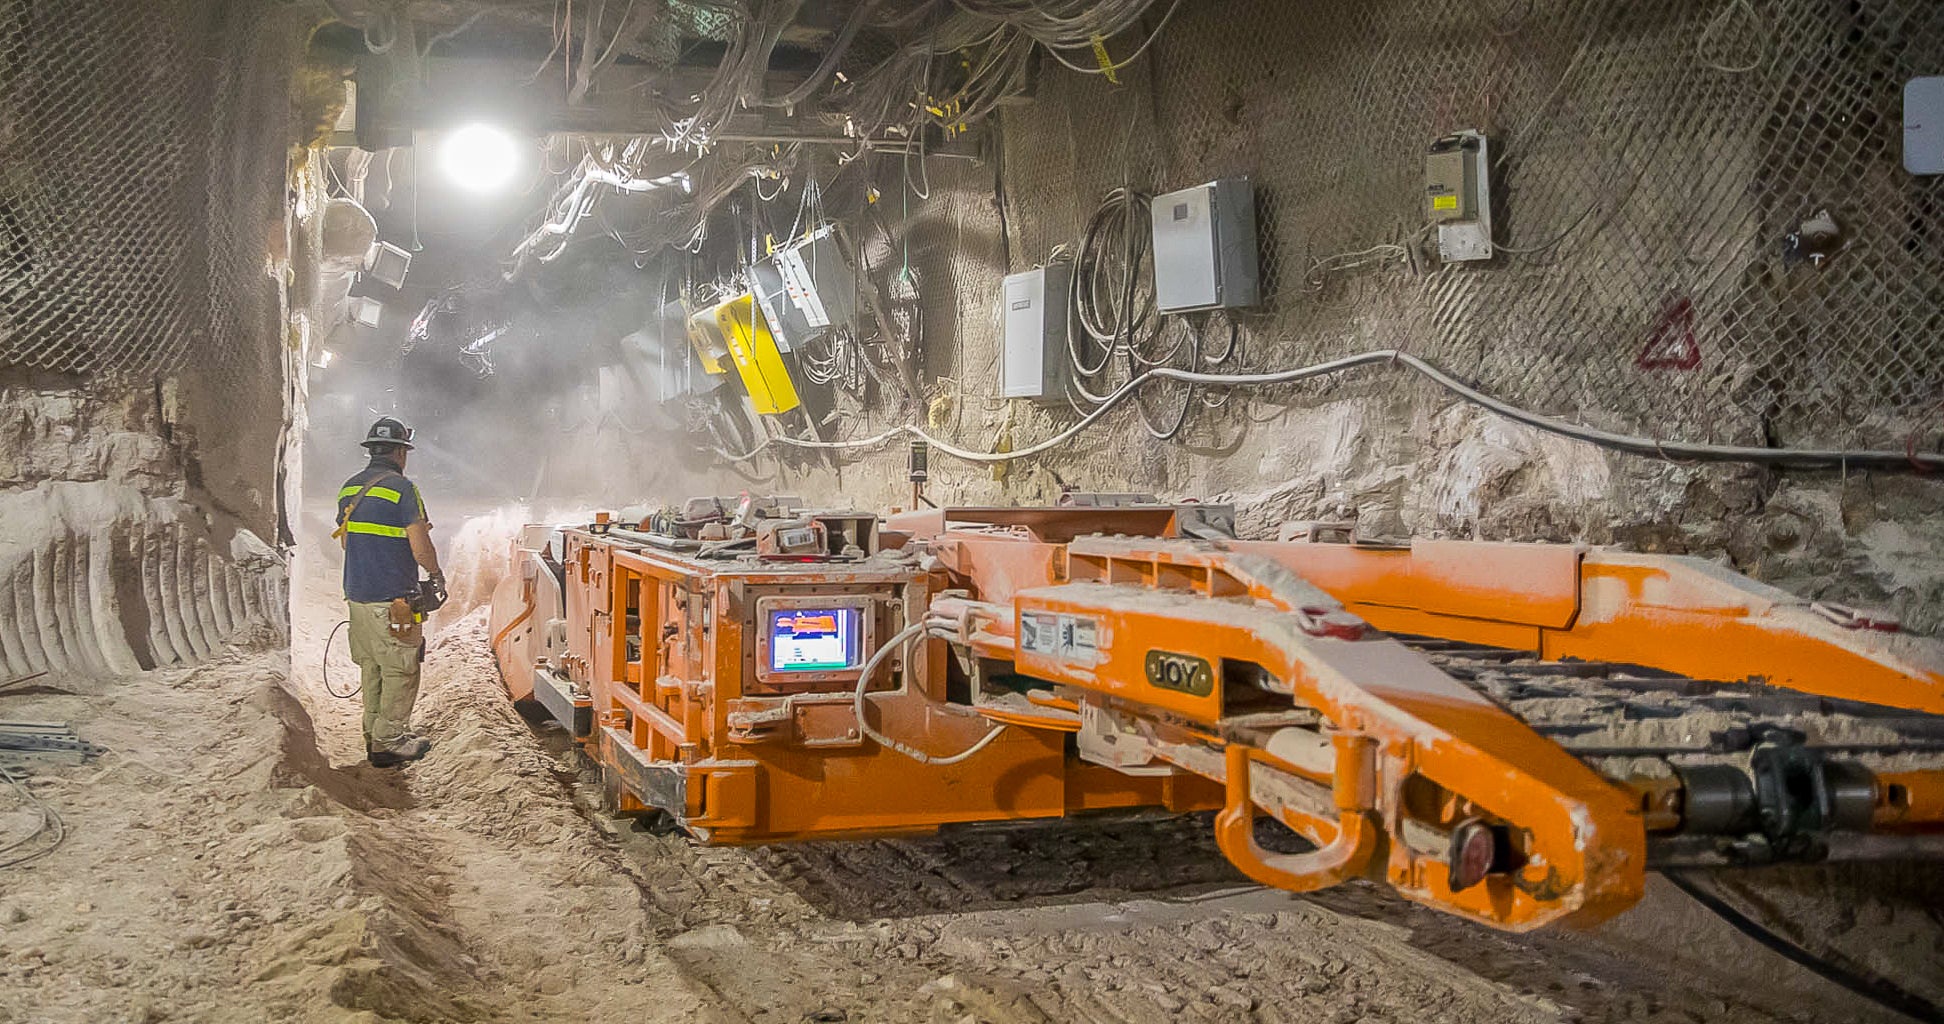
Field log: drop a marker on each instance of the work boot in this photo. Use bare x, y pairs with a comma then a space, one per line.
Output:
407, 747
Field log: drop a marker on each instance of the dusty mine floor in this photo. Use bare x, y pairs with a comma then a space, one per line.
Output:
231, 859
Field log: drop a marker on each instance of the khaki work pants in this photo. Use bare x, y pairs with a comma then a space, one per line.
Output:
389, 672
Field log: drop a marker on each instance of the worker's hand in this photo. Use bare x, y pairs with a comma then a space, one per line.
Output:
433, 592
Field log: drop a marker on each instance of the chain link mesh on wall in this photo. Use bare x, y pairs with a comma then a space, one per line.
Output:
142, 169
1649, 161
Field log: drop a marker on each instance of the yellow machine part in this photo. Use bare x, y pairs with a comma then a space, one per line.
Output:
753, 350
710, 346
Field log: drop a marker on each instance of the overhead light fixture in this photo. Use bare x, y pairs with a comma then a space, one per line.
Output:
389, 264
367, 311
479, 158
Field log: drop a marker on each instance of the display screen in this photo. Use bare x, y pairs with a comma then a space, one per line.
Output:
813, 639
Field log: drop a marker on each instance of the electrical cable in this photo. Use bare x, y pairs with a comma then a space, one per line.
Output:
587, 72
1234, 341
1108, 69
326, 663
50, 821
1112, 321
1876, 989
1188, 401
1380, 253
547, 62
824, 68
390, 34
1671, 451
896, 643
1714, 26
1216, 398
426, 50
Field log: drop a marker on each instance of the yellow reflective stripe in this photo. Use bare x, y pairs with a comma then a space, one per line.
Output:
375, 529
376, 492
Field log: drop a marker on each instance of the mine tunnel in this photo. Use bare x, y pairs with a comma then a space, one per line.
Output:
959, 511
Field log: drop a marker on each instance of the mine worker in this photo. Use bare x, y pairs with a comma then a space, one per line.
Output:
387, 540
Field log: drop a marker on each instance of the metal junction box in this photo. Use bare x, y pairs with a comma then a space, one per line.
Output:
1923, 150
1205, 247
1034, 357
806, 286
1458, 196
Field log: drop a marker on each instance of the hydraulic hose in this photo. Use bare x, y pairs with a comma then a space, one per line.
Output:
1878, 990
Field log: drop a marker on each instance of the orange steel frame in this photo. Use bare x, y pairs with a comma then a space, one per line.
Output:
1673, 613
681, 727
1377, 755
1404, 740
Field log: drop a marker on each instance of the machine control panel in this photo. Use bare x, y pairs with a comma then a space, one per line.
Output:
812, 639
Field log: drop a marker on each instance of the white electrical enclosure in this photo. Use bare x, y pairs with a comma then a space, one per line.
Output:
805, 287
1205, 247
1033, 360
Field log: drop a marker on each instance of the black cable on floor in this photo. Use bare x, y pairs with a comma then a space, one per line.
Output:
1880, 991
50, 821
353, 692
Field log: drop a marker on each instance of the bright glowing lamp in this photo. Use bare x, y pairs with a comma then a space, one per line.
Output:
479, 158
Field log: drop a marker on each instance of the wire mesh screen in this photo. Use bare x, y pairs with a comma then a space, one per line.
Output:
1653, 163
143, 144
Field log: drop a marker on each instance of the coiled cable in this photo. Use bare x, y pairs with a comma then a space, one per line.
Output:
326, 661
907, 636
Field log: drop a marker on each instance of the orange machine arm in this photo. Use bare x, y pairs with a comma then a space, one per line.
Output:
1163, 627
1682, 615
1253, 664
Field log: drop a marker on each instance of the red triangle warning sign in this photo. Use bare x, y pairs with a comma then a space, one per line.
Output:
1671, 344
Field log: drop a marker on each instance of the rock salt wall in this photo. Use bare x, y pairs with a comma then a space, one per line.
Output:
111, 559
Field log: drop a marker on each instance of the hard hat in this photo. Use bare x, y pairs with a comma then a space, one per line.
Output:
388, 431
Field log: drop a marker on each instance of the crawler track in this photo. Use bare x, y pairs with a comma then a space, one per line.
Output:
1610, 714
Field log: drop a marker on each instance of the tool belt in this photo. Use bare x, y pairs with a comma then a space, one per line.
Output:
407, 625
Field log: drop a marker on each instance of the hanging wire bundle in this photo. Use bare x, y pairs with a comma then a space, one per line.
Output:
954, 63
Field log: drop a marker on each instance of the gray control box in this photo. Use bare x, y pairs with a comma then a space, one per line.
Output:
1458, 195
1033, 359
1923, 117
1205, 247
804, 287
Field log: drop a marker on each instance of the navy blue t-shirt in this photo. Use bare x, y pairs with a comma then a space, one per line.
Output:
378, 562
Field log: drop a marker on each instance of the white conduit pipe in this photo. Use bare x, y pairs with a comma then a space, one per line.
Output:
1683, 451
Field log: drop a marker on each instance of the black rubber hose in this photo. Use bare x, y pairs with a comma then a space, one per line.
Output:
326, 661
1880, 991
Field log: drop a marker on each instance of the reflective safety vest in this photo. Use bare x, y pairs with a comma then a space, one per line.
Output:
374, 509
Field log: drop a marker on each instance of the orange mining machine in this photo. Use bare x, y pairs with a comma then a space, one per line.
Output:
1514, 733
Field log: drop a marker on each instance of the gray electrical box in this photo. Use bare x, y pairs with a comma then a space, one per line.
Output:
1205, 247
1923, 150
805, 287
662, 346
1033, 358
1458, 196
